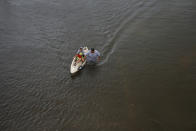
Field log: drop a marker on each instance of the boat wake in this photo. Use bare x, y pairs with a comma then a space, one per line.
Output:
137, 11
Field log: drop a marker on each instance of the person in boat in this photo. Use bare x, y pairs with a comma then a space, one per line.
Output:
80, 55
93, 56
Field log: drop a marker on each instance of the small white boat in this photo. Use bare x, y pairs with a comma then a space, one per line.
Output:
75, 67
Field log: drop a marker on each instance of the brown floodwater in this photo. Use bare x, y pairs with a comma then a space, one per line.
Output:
146, 80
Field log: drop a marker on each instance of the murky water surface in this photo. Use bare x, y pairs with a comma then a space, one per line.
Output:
145, 81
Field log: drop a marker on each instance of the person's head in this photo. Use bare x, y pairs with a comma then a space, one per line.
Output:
81, 48
92, 50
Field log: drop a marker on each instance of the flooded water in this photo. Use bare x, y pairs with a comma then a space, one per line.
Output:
146, 80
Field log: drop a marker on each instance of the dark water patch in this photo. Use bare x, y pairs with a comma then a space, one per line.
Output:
130, 17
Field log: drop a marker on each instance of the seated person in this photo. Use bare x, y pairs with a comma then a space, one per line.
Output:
80, 56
